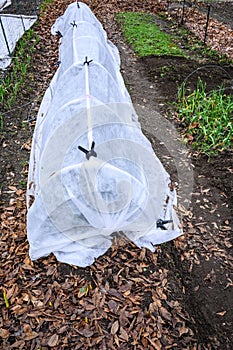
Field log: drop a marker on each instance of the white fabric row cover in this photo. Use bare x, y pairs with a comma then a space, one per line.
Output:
4, 3
12, 28
92, 171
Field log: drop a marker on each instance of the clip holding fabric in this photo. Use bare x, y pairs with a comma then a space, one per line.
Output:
59, 33
56, 63
90, 153
74, 24
160, 223
86, 61
78, 5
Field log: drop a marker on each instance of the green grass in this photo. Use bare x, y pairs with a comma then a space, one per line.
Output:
23, 184
145, 37
208, 118
14, 78
44, 5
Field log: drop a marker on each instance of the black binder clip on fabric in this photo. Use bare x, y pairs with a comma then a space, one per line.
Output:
56, 63
74, 24
87, 62
90, 153
59, 33
160, 223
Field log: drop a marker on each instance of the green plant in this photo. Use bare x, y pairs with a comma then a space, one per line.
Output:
162, 15
24, 163
1, 122
44, 4
16, 88
164, 70
24, 124
2, 92
23, 68
145, 37
14, 78
23, 184
208, 118
10, 101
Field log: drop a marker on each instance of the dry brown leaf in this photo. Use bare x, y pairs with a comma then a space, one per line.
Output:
31, 335
53, 341
183, 330
112, 306
165, 313
115, 327
116, 339
4, 333
155, 343
123, 334
87, 333
222, 313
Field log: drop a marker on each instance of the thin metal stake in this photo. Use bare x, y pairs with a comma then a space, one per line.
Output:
36, 8
17, 2
182, 18
207, 23
4, 34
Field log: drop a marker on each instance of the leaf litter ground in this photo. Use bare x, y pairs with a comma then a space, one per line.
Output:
177, 298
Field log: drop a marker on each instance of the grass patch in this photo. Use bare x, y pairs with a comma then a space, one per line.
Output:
13, 80
208, 118
145, 37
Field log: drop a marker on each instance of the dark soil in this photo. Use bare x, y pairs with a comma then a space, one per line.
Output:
171, 72
22, 7
201, 264
153, 81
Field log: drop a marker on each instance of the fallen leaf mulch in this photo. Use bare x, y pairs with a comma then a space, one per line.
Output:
128, 299
219, 36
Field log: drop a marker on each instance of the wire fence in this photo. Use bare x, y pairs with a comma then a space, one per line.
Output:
216, 9
16, 16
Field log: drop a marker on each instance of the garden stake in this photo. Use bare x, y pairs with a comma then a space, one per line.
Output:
24, 29
182, 18
207, 23
4, 34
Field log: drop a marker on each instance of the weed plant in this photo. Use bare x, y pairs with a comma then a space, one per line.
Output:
145, 37
208, 118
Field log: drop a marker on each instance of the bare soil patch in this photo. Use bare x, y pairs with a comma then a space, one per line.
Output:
207, 274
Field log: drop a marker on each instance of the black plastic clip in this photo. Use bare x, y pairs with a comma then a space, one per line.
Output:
56, 63
74, 24
160, 223
90, 153
87, 62
78, 5
59, 33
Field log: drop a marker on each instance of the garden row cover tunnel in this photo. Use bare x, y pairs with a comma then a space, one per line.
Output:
92, 171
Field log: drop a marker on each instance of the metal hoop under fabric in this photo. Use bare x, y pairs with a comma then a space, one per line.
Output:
81, 199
